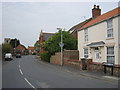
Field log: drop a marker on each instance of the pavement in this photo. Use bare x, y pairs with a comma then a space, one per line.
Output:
95, 75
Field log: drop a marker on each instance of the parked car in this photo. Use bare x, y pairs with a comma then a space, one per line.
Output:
8, 56
18, 56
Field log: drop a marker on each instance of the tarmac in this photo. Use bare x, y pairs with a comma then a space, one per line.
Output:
85, 73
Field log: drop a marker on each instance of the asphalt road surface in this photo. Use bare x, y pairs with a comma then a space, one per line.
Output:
28, 72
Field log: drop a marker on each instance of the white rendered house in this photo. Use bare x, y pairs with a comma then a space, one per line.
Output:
99, 39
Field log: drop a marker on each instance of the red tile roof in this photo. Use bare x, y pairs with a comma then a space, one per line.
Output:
80, 24
109, 14
30, 48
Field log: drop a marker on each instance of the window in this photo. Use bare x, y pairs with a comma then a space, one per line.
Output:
86, 35
109, 28
110, 55
85, 52
97, 54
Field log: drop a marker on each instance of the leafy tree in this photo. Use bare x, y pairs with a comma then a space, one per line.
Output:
6, 48
52, 44
14, 42
36, 46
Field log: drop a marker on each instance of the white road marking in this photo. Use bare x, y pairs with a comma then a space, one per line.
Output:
19, 66
19, 63
30, 83
21, 71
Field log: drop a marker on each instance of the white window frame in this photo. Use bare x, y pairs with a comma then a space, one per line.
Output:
110, 54
86, 35
85, 52
110, 28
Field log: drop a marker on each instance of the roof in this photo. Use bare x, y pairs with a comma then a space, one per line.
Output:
22, 46
107, 15
30, 48
47, 35
96, 44
80, 24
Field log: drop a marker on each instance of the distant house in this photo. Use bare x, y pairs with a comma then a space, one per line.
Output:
21, 49
99, 39
43, 37
74, 29
31, 49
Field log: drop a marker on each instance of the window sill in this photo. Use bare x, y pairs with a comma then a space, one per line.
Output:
109, 38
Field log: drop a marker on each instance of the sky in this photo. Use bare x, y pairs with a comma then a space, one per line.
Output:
24, 20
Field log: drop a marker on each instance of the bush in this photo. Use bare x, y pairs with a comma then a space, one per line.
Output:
34, 54
45, 57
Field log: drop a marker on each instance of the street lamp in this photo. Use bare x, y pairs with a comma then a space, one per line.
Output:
61, 44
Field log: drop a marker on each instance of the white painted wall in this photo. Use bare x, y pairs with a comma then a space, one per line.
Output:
115, 28
119, 40
98, 33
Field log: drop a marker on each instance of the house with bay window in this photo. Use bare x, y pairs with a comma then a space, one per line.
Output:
99, 39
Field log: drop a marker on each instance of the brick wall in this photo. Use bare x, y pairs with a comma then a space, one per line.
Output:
94, 67
71, 59
67, 56
76, 64
56, 59
70, 55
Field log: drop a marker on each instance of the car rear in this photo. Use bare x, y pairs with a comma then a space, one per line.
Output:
8, 56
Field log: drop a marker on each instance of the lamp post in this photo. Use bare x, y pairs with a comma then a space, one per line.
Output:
61, 44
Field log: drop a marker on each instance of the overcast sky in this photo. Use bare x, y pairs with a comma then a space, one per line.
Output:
24, 20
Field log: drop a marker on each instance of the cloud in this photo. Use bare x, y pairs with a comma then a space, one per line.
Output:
24, 20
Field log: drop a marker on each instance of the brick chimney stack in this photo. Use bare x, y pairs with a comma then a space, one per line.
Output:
96, 11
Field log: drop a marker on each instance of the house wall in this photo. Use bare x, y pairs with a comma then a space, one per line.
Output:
98, 33
20, 48
119, 40
115, 28
75, 34
41, 50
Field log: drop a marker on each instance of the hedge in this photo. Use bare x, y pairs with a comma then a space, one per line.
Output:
45, 57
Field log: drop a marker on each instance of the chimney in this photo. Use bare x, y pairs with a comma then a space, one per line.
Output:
96, 11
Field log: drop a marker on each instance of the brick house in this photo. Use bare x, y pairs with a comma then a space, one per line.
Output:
99, 39
31, 49
74, 29
43, 37
21, 49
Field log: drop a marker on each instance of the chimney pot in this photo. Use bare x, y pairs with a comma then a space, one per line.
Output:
98, 7
94, 6
96, 11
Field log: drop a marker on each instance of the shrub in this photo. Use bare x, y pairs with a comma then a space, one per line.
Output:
34, 54
45, 57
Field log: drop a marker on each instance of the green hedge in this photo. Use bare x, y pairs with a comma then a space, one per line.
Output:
45, 57
34, 54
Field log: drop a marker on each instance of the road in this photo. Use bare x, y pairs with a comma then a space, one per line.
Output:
28, 72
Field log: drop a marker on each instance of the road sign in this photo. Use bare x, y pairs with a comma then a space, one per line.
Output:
61, 44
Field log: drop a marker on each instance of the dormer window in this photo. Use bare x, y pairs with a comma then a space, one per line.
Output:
109, 28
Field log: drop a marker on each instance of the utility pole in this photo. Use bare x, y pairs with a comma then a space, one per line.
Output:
61, 44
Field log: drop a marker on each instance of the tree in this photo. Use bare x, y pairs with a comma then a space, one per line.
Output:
36, 46
6, 48
52, 44
14, 42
